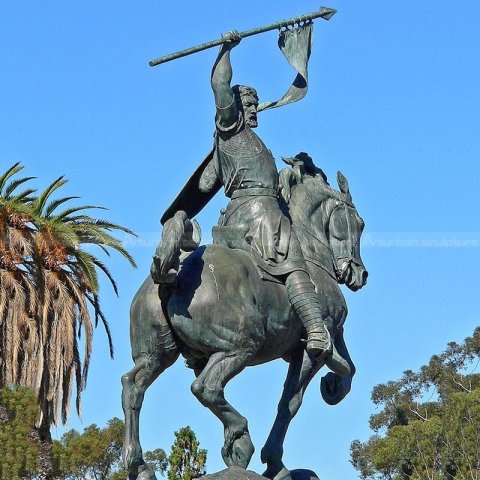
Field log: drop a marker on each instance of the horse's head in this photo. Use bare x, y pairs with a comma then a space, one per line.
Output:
343, 229
325, 219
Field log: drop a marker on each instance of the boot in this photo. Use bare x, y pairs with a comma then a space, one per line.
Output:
304, 300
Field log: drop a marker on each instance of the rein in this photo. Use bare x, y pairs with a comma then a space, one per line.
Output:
331, 271
349, 258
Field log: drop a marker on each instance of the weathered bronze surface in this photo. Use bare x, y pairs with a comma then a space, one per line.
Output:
268, 287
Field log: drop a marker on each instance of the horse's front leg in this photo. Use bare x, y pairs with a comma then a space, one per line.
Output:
209, 390
335, 387
300, 372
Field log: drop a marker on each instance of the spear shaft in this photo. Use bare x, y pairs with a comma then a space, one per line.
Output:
324, 12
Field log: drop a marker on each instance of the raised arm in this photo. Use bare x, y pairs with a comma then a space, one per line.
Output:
221, 82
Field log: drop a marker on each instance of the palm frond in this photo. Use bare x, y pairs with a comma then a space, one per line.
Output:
87, 325
24, 196
57, 231
93, 234
78, 381
18, 206
87, 266
95, 302
113, 226
53, 205
12, 186
107, 273
74, 218
104, 249
66, 213
14, 169
67, 391
39, 204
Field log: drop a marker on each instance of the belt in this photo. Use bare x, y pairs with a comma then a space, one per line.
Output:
255, 192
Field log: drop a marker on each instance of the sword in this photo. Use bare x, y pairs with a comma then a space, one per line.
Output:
324, 12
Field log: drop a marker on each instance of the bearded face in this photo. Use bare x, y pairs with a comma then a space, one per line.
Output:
250, 105
247, 100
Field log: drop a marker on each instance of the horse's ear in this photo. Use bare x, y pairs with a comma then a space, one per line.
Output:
343, 183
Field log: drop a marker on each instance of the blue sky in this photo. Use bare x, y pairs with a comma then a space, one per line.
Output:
394, 103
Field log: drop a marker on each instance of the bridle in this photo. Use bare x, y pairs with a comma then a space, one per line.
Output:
349, 257
337, 274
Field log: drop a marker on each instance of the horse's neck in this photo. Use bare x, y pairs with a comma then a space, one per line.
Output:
314, 246
308, 219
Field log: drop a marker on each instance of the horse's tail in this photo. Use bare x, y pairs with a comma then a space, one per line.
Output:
180, 234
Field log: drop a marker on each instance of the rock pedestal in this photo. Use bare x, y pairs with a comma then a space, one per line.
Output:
237, 473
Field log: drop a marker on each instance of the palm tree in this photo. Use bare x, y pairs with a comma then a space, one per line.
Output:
56, 281
67, 282
19, 345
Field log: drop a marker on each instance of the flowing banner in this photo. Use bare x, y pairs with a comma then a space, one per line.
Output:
296, 46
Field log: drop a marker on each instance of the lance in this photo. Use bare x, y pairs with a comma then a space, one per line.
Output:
324, 12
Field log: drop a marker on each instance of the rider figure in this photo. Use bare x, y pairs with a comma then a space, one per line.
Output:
249, 175
247, 170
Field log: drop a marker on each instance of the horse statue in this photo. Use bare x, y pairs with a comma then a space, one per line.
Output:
222, 316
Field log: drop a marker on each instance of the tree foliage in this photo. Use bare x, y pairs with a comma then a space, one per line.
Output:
428, 426
186, 460
96, 453
19, 446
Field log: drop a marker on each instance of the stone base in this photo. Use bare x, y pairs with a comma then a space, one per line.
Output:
237, 473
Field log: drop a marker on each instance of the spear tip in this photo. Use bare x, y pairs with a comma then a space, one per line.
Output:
327, 13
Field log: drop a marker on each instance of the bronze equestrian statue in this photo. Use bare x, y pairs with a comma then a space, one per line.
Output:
266, 289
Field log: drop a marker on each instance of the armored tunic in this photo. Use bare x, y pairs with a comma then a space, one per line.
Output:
242, 160
253, 219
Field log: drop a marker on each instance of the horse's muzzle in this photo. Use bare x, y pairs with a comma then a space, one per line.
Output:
356, 276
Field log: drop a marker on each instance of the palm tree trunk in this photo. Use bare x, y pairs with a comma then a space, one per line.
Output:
3, 414
45, 453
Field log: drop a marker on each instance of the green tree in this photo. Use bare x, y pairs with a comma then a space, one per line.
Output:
94, 454
157, 460
97, 453
48, 280
186, 460
19, 446
429, 423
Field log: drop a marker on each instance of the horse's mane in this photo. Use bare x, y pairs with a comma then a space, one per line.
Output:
303, 168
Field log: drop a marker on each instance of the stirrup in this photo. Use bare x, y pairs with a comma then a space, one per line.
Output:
319, 343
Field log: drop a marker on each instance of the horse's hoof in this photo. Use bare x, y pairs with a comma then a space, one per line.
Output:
146, 473
334, 388
227, 456
242, 450
271, 455
277, 474
132, 457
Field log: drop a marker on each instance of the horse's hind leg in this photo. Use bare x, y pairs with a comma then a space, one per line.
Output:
209, 389
301, 370
135, 383
153, 349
